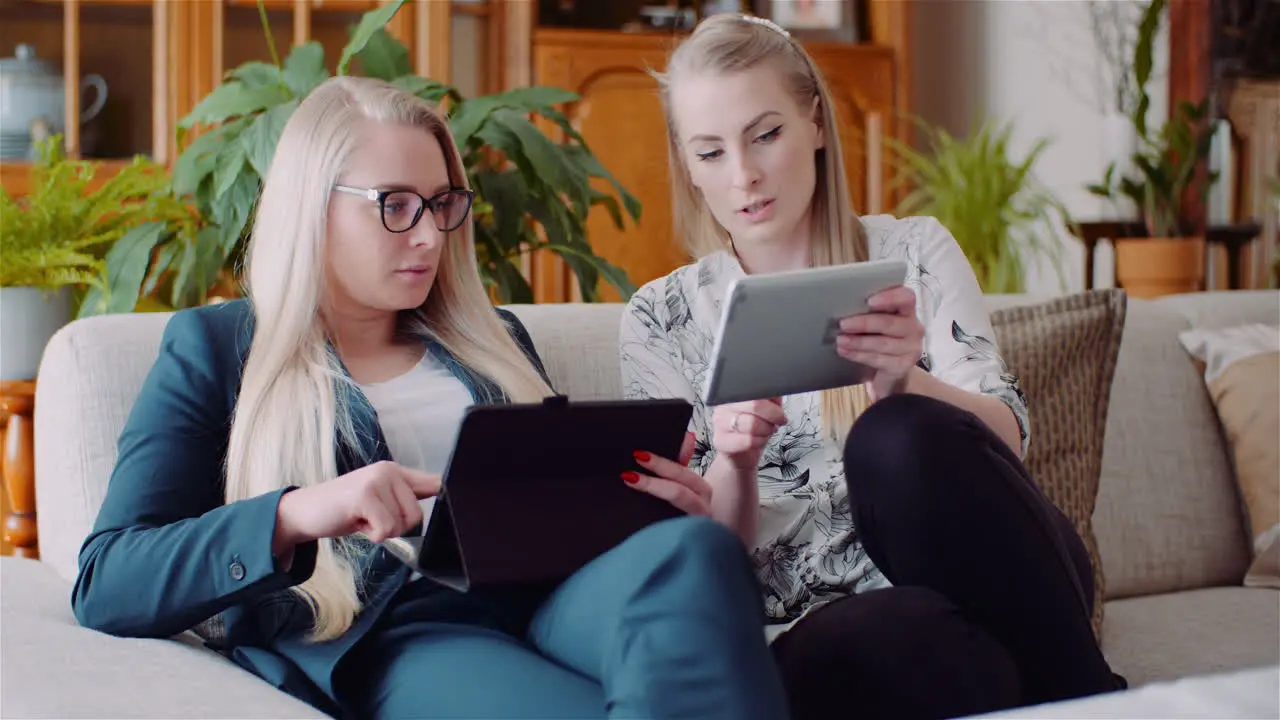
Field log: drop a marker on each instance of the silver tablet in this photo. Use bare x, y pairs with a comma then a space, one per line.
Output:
778, 331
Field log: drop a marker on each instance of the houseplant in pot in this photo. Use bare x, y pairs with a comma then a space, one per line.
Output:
532, 193
56, 241
1003, 220
1168, 164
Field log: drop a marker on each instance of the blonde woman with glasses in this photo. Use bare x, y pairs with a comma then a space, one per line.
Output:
279, 438
909, 565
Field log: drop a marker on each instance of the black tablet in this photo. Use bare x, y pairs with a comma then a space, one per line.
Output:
533, 492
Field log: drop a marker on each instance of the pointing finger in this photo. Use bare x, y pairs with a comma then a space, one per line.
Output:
424, 485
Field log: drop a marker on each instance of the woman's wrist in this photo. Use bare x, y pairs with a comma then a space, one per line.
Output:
735, 496
286, 536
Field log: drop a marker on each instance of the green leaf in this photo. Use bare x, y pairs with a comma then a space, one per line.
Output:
592, 166
127, 263
164, 259
611, 206
616, 276
370, 23
256, 74
471, 115
231, 210
429, 90
233, 99
512, 286
304, 68
197, 161
210, 253
229, 165
506, 190
384, 57
260, 140
524, 144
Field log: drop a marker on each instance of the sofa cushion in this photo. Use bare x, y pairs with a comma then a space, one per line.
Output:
1194, 632
578, 342
1064, 353
1168, 515
1242, 371
53, 668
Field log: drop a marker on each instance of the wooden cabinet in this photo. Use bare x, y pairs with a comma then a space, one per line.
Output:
620, 117
159, 58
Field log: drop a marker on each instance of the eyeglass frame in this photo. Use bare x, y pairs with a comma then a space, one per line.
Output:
380, 197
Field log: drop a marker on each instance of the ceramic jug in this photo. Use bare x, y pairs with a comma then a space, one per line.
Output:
31, 90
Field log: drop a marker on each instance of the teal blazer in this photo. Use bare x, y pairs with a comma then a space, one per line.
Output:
167, 554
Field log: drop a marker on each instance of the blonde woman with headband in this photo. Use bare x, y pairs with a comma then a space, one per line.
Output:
278, 438
910, 567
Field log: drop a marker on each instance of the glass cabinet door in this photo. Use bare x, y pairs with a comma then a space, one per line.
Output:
84, 70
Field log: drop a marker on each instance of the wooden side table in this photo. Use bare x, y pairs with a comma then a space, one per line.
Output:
18, 463
1234, 238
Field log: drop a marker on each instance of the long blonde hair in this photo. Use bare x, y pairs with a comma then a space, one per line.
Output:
290, 415
727, 43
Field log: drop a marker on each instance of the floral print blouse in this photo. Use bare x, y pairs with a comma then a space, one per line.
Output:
807, 551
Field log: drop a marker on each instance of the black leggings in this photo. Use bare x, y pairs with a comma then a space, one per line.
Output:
992, 592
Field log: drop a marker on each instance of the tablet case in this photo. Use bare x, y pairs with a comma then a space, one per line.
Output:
533, 492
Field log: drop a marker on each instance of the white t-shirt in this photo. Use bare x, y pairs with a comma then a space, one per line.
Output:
420, 413
807, 551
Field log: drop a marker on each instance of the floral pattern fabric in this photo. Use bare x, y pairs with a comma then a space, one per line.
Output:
807, 550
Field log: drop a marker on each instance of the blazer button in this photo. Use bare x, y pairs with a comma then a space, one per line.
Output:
237, 570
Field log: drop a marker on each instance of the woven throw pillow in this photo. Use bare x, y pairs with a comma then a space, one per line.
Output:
1064, 353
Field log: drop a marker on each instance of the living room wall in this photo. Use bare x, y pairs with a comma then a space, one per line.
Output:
1034, 63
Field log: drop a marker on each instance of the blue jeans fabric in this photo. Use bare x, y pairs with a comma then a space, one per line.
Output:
666, 625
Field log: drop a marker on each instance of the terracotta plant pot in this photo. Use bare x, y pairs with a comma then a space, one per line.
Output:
1151, 267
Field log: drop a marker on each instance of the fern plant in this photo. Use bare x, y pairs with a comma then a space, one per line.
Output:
989, 200
64, 232
532, 193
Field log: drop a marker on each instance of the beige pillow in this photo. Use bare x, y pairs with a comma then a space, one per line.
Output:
1064, 353
1242, 372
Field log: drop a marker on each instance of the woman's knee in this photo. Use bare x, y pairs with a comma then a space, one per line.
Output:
692, 538
904, 444
696, 551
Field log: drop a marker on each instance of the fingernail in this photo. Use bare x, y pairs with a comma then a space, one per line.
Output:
630, 478
641, 456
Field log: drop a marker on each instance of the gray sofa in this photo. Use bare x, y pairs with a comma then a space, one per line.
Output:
1168, 520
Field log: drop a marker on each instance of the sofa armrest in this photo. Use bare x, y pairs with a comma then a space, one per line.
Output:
53, 667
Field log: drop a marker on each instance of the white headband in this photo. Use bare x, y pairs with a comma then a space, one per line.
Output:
766, 23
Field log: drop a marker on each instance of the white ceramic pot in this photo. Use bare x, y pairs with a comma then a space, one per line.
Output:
28, 318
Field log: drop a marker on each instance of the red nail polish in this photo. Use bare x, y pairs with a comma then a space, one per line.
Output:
630, 478
641, 456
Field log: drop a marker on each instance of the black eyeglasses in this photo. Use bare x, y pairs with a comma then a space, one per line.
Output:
401, 209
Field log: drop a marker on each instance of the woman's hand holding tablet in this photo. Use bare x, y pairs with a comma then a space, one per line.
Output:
672, 480
890, 340
778, 331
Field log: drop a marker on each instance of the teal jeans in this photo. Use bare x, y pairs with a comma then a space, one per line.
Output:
666, 625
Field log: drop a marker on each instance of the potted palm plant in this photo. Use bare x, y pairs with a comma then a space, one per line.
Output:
532, 193
57, 240
1168, 165
1001, 217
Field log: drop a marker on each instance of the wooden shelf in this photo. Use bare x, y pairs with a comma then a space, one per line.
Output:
15, 175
